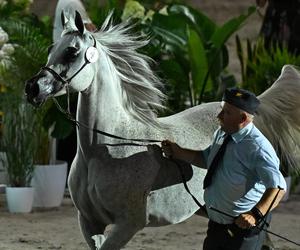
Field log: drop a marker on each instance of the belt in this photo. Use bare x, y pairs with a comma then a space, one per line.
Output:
232, 229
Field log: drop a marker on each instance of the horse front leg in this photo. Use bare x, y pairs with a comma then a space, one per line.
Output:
91, 228
126, 225
120, 234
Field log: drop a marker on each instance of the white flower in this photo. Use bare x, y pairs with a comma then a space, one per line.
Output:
2, 3
164, 11
149, 15
3, 37
5, 63
5, 52
133, 9
8, 49
2, 55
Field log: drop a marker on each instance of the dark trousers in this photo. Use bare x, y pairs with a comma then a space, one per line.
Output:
231, 237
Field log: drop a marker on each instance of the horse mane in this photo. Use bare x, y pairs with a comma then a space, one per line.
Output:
279, 116
140, 87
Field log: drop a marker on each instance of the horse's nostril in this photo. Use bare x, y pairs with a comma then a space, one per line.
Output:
27, 88
32, 89
35, 90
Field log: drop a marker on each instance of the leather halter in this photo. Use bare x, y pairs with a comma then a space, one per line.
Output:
67, 81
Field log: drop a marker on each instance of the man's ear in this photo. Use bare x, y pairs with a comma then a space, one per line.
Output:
243, 117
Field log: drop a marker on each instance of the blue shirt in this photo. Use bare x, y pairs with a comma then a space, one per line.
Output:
249, 166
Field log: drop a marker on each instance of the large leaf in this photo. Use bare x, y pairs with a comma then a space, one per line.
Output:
176, 84
198, 63
218, 54
222, 33
98, 12
204, 26
172, 29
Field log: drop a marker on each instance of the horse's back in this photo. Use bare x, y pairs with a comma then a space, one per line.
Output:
193, 128
169, 202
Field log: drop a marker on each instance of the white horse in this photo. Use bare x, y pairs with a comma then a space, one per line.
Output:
131, 187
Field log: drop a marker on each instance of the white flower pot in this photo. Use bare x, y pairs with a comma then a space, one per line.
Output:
3, 172
49, 182
19, 199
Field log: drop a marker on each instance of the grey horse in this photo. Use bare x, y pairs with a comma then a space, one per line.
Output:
128, 186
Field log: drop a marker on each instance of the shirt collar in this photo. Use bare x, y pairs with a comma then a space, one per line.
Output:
240, 135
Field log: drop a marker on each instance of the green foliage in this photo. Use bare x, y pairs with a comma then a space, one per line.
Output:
18, 141
190, 51
98, 12
11, 8
260, 67
187, 45
31, 50
24, 138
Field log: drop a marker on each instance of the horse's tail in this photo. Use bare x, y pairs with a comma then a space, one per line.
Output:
279, 116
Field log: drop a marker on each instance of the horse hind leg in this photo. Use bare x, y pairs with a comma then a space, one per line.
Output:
89, 229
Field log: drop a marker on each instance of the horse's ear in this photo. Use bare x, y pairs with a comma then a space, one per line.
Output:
63, 19
79, 23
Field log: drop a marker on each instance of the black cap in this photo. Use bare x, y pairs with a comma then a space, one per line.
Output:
242, 99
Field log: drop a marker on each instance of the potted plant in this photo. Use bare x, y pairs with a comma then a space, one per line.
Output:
18, 143
23, 125
17, 132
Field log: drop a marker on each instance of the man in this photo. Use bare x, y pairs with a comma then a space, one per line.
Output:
243, 181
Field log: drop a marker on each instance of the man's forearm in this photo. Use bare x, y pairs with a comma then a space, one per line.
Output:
267, 199
193, 157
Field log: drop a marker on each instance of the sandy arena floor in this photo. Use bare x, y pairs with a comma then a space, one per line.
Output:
58, 229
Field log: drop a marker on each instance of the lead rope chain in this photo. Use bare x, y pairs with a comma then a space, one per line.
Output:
132, 142
79, 124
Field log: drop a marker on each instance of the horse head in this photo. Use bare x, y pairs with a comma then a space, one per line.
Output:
68, 63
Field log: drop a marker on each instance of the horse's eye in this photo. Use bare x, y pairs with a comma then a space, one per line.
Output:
70, 53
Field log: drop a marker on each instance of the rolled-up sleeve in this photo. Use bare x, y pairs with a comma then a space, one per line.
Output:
267, 168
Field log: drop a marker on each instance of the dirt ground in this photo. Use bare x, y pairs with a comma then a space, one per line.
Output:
58, 229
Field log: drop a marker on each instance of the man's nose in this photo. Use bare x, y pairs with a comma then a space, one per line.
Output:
220, 115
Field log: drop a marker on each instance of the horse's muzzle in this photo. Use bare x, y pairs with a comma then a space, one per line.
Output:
40, 87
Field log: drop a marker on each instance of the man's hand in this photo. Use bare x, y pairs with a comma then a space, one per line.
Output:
173, 150
246, 220
169, 148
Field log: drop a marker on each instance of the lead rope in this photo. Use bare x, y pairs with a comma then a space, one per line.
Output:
261, 227
132, 142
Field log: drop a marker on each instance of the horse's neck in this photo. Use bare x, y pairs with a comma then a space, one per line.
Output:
100, 107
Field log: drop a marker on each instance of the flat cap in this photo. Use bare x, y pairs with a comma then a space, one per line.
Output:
242, 99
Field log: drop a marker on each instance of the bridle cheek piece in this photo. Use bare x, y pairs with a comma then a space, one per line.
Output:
91, 56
